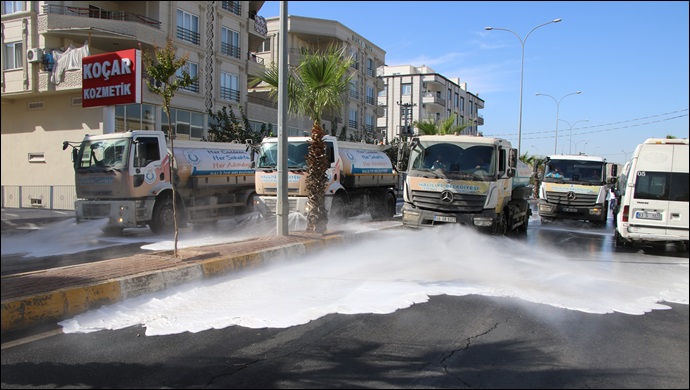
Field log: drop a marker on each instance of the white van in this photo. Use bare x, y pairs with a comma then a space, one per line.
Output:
653, 200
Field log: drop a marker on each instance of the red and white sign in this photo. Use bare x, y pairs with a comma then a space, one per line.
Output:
111, 78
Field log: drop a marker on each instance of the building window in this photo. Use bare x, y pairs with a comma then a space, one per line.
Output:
457, 100
230, 42
135, 117
187, 27
369, 126
192, 69
462, 105
384, 91
354, 93
14, 55
353, 119
229, 87
406, 89
232, 6
370, 95
10, 7
371, 70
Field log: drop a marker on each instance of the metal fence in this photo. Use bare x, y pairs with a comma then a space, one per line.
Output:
46, 197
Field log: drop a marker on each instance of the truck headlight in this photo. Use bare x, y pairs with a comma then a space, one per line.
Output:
547, 208
483, 221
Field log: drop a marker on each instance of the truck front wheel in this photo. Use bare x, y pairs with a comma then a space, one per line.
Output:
163, 217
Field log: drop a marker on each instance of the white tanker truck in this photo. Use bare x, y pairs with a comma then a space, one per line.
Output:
467, 180
125, 177
361, 178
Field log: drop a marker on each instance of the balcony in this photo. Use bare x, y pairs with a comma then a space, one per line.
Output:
433, 98
480, 120
255, 64
104, 27
434, 80
257, 30
69, 81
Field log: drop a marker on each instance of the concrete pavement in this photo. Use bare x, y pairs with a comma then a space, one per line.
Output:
48, 296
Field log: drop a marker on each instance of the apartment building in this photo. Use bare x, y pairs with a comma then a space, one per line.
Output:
419, 93
42, 44
360, 111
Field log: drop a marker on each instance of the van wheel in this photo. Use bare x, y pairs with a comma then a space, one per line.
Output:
620, 242
523, 228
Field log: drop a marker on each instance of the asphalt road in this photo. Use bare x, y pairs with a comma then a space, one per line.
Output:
448, 342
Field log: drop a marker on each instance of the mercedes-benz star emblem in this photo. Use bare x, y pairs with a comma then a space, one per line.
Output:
446, 196
571, 196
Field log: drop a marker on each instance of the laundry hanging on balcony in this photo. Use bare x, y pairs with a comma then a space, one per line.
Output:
69, 59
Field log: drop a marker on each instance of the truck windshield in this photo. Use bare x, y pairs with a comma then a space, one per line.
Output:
455, 160
584, 172
106, 153
297, 155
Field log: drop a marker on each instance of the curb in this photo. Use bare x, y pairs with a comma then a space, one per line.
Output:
54, 306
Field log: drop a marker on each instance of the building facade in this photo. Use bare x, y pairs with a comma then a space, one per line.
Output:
42, 45
227, 43
360, 111
419, 93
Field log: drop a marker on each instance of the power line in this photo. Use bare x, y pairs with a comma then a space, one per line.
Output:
602, 125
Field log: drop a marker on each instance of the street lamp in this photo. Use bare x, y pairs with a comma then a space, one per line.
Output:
571, 132
522, 68
576, 143
558, 105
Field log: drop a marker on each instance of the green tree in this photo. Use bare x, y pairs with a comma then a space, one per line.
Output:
448, 126
316, 85
225, 127
167, 74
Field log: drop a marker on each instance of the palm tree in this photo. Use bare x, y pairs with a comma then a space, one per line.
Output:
448, 126
162, 68
315, 86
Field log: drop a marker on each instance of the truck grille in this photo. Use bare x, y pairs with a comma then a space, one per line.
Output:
271, 203
581, 200
96, 210
461, 203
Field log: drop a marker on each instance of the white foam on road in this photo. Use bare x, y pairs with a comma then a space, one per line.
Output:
395, 270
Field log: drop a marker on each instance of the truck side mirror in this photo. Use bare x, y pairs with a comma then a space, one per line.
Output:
511, 172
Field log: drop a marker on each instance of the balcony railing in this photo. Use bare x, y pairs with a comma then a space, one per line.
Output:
100, 14
193, 87
188, 35
230, 50
233, 6
253, 58
352, 124
229, 94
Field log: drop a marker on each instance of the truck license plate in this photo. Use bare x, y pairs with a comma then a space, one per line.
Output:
648, 215
441, 218
569, 210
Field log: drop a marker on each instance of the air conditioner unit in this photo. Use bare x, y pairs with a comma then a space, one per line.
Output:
34, 55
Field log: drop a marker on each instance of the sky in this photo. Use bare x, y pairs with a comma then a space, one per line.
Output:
629, 60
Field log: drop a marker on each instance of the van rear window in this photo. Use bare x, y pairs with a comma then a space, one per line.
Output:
662, 186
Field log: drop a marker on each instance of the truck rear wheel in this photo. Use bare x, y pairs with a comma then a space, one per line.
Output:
163, 217
385, 209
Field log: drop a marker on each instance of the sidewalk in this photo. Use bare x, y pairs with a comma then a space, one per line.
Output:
49, 296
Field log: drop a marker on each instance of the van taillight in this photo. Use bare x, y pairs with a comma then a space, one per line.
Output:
626, 210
